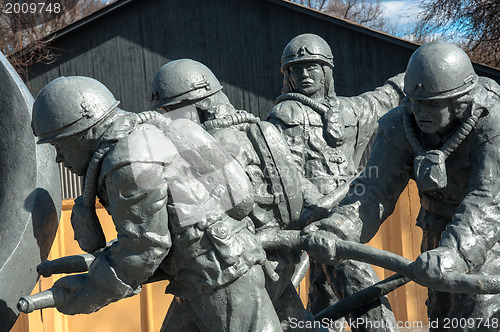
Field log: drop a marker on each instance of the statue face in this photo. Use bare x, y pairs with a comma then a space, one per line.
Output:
308, 78
73, 154
432, 116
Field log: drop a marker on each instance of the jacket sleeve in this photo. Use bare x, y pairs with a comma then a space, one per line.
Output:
138, 210
374, 193
475, 227
369, 107
283, 118
372, 105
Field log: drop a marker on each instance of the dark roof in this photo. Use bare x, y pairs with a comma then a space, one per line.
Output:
294, 6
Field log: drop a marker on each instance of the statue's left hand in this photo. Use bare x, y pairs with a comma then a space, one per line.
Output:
434, 265
78, 295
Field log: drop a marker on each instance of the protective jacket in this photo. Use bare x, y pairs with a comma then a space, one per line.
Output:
328, 138
280, 192
176, 205
464, 215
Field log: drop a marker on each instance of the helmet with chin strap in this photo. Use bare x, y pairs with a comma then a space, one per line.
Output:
68, 106
305, 48
439, 70
183, 81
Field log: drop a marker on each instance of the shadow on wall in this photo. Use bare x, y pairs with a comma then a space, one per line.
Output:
44, 218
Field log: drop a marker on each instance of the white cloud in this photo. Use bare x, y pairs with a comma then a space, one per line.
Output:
401, 13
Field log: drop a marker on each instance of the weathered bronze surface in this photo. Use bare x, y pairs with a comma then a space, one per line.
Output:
445, 136
179, 203
327, 135
280, 191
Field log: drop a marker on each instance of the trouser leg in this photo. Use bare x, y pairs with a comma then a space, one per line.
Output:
290, 310
349, 278
321, 294
242, 305
179, 318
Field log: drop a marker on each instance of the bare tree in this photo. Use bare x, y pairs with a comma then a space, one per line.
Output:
365, 12
314, 4
24, 32
474, 23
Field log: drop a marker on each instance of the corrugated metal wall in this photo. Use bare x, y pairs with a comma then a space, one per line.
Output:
71, 184
241, 41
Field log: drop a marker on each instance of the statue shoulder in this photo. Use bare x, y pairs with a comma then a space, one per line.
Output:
145, 144
230, 133
232, 139
391, 127
490, 85
291, 112
488, 98
488, 125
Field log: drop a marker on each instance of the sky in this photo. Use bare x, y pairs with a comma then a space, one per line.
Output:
401, 13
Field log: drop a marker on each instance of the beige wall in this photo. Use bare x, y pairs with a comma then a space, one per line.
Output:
145, 312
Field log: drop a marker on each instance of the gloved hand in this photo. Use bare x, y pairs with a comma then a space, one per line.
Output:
78, 295
435, 264
320, 246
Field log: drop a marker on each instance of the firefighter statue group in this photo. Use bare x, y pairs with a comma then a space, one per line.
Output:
225, 206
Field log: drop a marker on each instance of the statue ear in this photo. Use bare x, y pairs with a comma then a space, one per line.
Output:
329, 82
461, 107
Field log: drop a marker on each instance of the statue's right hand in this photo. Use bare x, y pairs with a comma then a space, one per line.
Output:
320, 245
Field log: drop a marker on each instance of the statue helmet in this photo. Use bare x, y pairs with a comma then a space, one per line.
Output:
439, 70
183, 81
70, 105
304, 48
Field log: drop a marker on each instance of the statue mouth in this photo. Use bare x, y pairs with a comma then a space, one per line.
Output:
424, 121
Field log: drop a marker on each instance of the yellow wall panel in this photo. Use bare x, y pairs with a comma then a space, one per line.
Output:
124, 315
400, 235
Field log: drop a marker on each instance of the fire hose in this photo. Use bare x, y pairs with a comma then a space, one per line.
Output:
452, 283
291, 239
